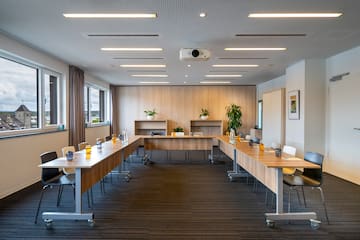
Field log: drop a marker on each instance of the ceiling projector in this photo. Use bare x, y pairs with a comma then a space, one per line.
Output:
194, 54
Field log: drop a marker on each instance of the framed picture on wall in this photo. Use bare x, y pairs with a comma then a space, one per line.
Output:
294, 105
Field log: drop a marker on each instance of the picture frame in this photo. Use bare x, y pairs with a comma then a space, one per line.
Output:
294, 105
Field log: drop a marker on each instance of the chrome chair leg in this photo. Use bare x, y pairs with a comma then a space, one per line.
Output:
59, 195
303, 193
38, 208
323, 201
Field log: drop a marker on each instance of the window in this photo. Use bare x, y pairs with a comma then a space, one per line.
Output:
94, 104
29, 96
260, 114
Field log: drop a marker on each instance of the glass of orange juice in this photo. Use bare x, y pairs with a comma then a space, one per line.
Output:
88, 149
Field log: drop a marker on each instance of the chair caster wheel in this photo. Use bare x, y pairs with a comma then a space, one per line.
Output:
270, 223
127, 179
315, 224
48, 223
129, 176
91, 222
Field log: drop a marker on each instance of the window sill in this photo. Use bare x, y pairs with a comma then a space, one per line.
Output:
30, 133
94, 125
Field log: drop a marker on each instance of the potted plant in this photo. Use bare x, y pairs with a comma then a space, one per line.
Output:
150, 114
204, 114
233, 112
178, 131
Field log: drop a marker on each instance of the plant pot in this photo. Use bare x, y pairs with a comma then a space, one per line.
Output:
178, 134
204, 117
150, 117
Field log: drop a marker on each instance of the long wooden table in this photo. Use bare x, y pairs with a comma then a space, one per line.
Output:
267, 168
186, 143
89, 169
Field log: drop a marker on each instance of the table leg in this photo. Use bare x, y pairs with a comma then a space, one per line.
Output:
78, 214
280, 215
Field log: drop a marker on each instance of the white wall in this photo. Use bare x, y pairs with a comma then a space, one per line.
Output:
342, 141
20, 155
274, 117
273, 84
295, 129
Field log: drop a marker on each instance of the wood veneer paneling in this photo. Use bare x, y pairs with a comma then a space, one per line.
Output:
180, 104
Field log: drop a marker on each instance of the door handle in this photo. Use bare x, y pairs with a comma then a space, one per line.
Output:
357, 129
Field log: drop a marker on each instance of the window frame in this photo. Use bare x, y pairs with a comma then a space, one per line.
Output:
103, 105
260, 111
40, 88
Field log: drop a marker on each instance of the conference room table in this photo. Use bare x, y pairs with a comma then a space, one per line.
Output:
183, 143
89, 169
267, 168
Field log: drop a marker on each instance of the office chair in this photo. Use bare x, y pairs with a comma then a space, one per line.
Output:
309, 178
108, 138
64, 150
53, 177
286, 171
82, 145
291, 151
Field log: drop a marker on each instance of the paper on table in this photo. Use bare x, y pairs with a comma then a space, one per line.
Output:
291, 158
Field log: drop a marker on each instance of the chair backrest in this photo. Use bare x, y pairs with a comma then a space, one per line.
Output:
102, 140
255, 140
48, 173
289, 150
67, 149
315, 158
108, 138
82, 145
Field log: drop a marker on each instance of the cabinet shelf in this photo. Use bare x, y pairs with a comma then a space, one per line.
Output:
147, 127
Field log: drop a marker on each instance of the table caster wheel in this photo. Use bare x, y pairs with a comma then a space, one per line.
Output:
231, 179
315, 224
270, 223
48, 223
91, 222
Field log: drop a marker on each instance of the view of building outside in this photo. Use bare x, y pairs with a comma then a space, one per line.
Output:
18, 96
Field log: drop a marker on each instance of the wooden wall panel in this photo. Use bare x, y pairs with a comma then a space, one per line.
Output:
180, 104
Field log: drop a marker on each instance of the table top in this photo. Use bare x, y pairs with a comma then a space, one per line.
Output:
267, 157
176, 137
83, 160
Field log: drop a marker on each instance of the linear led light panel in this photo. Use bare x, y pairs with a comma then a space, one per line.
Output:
215, 82
255, 49
154, 82
150, 75
223, 75
132, 49
143, 65
110, 15
294, 15
235, 65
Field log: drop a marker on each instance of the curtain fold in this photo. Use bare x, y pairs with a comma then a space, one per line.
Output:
76, 106
114, 112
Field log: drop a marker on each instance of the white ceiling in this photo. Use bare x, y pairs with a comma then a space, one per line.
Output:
40, 23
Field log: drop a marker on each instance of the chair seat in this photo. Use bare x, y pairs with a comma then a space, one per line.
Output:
294, 181
62, 180
288, 171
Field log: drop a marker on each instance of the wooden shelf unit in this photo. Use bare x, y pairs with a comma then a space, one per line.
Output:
207, 127
146, 127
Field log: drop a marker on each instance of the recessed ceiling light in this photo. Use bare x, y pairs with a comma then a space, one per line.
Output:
202, 14
110, 15
189, 65
223, 75
150, 75
186, 75
255, 49
235, 65
154, 82
132, 49
294, 15
213, 82
143, 65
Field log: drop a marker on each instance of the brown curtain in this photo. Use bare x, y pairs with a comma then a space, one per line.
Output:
76, 107
114, 112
